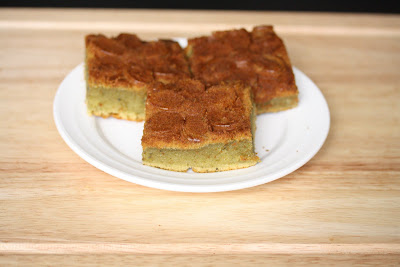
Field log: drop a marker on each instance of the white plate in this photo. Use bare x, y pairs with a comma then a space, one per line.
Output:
284, 141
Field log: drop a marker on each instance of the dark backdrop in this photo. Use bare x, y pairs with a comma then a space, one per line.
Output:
275, 5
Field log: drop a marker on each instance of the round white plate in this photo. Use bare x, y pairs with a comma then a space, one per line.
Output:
284, 141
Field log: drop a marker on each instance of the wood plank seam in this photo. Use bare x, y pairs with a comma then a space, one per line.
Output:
188, 27
197, 248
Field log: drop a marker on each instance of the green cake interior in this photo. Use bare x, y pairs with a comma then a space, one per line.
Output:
120, 103
210, 158
278, 104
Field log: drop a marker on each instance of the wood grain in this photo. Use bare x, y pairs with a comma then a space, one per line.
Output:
200, 260
343, 207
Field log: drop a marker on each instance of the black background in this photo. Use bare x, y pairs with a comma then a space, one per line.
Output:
272, 5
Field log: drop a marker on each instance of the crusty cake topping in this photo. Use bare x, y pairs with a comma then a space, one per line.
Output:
258, 58
126, 61
186, 114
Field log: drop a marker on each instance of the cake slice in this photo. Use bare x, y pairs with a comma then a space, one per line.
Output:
120, 70
207, 129
258, 58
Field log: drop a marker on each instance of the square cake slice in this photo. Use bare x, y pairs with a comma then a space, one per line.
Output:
120, 70
257, 58
207, 129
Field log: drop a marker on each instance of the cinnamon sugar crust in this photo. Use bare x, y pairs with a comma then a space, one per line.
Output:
258, 58
187, 115
127, 62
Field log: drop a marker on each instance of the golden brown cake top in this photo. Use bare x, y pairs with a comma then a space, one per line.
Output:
258, 58
186, 115
128, 62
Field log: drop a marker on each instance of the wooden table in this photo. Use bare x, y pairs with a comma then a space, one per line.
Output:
343, 207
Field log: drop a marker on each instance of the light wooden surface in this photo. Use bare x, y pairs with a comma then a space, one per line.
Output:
341, 208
